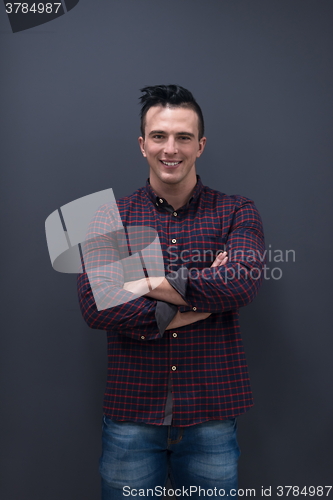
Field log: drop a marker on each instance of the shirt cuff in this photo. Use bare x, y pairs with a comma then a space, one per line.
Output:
178, 280
164, 313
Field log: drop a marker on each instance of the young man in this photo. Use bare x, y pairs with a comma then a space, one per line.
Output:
177, 374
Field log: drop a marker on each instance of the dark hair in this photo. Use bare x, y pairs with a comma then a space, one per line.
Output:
169, 95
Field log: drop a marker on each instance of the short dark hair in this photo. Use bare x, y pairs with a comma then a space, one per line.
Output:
174, 96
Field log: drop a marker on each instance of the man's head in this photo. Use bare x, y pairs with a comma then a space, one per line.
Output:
172, 136
173, 96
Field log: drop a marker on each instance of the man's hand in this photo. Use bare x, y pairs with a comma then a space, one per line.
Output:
220, 260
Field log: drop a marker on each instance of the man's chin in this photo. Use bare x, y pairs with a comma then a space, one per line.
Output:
173, 176
171, 179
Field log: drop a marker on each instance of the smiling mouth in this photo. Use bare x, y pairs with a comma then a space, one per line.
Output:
171, 163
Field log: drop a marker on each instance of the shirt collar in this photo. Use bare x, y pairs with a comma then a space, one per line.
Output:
157, 200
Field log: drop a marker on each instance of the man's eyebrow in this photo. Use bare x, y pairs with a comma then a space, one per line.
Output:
156, 132
186, 133
153, 132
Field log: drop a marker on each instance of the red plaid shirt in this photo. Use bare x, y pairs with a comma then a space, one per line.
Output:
205, 360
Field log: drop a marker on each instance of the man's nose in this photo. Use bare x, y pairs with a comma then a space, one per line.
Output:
170, 146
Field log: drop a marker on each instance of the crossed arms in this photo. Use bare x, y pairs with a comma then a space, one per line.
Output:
211, 292
165, 292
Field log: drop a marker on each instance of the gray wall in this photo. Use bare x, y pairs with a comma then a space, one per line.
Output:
262, 72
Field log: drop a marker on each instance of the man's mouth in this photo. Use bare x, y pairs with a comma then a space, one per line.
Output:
171, 163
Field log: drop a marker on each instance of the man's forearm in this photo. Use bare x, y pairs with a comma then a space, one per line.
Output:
164, 291
186, 318
158, 288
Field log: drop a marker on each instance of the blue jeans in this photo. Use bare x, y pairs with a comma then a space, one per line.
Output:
140, 456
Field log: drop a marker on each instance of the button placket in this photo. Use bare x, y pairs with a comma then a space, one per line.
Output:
174, 228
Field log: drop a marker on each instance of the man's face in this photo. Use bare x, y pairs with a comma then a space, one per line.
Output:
171, 145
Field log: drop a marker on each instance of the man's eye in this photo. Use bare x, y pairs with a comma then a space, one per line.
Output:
157, 136
184, 138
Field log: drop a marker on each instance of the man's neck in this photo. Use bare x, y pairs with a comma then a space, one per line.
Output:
175, 194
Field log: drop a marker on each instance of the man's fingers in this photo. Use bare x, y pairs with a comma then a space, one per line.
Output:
221, 259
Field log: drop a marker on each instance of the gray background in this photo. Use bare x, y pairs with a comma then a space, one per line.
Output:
262, 72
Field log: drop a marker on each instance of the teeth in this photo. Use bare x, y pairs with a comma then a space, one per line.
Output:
170, 163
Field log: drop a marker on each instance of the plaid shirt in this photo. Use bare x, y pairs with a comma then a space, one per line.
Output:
204, 360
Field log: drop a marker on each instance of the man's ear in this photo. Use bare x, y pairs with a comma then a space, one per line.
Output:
202, 144
142, 145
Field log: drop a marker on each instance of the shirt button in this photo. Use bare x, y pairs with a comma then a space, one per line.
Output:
173, 240
174, 368
194, 308
175, 214
160, 200
175, 335
142, 337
